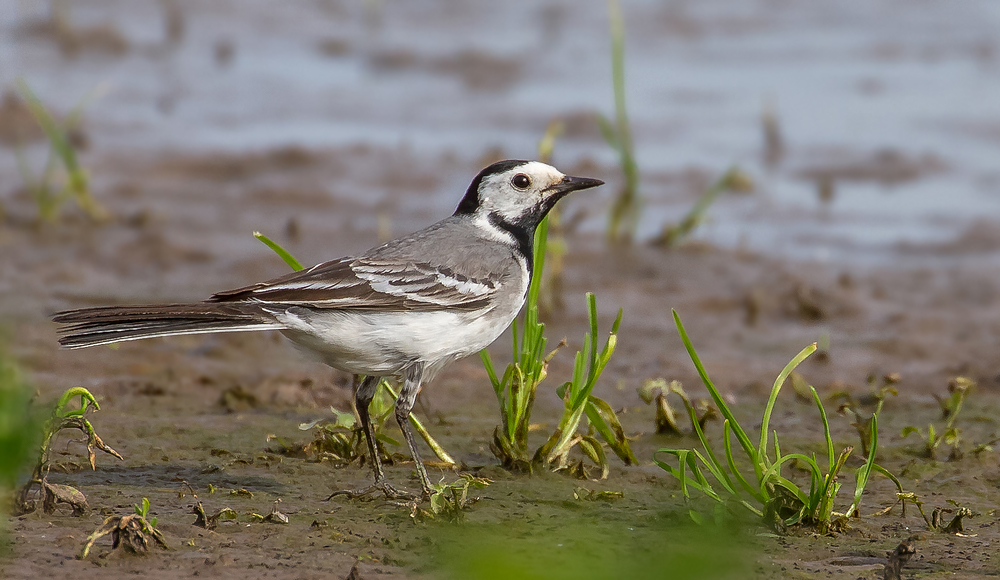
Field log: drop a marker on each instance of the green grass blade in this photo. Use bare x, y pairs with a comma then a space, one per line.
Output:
419, 427
610, 429
282, 252
499, 389
700, 475
720, 475
513, 335
770, 475
547, 144
899, 488
888, 475
790, 486
608, 131
831, 486
593, 449
731, 462
761, 456
541, 242
490, 371
77, 182
611, 344
673, 235
579, 368
861, 479
86, 399
678, 473
56, 136
624, 212
826, 428
741, 435
439, 451
777, 449
592, 315
687, 461
716, 467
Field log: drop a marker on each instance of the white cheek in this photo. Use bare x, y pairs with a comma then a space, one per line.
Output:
511, 204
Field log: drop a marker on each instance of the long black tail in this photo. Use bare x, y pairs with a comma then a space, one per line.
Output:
104, 325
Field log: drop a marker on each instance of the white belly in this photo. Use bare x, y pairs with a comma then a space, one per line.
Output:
384, 344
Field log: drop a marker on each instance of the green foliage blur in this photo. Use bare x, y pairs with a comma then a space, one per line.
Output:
18, 428
593, 544
19, 432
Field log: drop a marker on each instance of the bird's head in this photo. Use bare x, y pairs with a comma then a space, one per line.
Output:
519, 193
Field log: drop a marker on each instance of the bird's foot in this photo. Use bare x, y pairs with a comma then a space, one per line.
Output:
382, 486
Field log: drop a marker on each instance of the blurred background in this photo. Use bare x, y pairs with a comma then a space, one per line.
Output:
868, 127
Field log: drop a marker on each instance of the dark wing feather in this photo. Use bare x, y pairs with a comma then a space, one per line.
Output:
369, 284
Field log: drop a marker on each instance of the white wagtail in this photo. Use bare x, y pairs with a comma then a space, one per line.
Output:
404, 309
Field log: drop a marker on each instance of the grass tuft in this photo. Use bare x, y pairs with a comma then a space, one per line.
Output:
767, 493
516, 388
577, 400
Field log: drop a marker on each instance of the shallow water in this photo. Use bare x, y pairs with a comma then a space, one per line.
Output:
846, 81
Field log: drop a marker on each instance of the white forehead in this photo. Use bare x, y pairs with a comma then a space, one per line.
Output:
539, 172
539, 169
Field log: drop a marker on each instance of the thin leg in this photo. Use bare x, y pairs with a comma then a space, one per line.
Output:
404, 405
362, 399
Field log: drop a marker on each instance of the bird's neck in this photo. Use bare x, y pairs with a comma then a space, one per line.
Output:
520, 234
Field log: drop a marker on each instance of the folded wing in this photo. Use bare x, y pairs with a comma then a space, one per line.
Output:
369, 284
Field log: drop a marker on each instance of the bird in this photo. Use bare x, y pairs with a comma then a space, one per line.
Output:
402, 310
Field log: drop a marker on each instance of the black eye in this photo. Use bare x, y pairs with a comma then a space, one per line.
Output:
521, 181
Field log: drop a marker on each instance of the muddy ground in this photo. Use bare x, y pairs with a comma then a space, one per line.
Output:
163, 403
186, 180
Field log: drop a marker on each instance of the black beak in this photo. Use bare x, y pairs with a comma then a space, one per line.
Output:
570, 183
